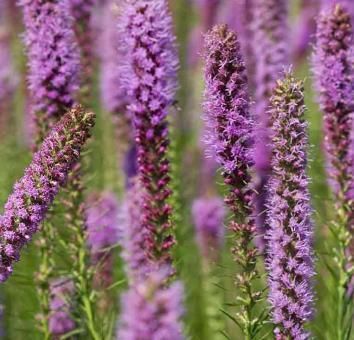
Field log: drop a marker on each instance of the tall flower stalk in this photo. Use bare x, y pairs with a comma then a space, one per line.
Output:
230, 139
290, 254
33, 194
334, 75
149, 77
270, 44
53, 77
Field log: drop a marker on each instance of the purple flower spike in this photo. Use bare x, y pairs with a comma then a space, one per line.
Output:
305, 28
34, 192
54, 59
149, 77
334, 75
60, 319
230, 139
208, 216
113, 95
152, 311
8, 77
290, 254
228, 120
133, 235
271, 46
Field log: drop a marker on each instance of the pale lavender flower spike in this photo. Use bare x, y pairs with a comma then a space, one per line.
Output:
290, 254
150, 310
208, 216
102, 221
54, 59
270, 43
33, 194
60, 320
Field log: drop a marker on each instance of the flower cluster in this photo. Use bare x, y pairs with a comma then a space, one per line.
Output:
54, 59
27, 206
290, 254
152, 311
149, 77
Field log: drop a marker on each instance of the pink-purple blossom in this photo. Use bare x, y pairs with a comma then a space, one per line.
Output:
290, 249
33, 194
149, 77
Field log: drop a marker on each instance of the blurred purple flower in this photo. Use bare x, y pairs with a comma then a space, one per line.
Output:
82, 11
101, 221
333, 68
150, 310
102, 234
208, 13
113, 95
270, 43
149, 77
290, 254
305, 28
60, 319
133, 235
208, 217
34, 192
54, 59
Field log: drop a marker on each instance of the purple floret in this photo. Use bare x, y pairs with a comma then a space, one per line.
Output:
149, 78
208, 217
150, 310
60, 319
290, 253
54, 59
33, 194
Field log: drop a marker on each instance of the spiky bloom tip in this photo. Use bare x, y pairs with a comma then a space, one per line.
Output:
53, 59
228, 121
290, 254
112, 94
27, 206
208, 217
150, 310
334, 76
60, 320
149, 77
133, 235
101, 221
